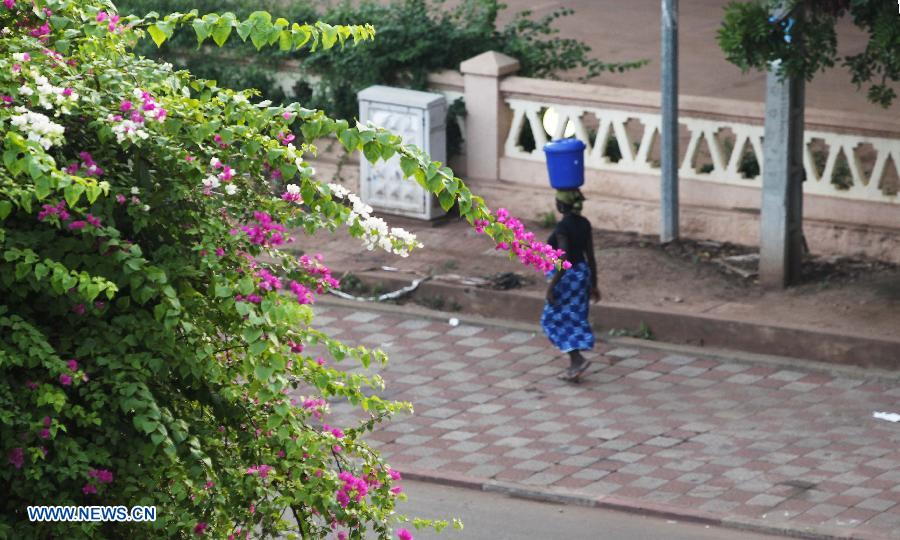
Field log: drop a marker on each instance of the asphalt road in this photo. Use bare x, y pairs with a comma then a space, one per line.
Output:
492, 516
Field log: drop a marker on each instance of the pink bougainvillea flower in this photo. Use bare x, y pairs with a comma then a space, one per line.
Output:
77, 225
89, 489
268, 281
285, 138
265, 231
227, 174
45, 433
16, 457
404, 534
200, 528
65, 380
31, 385
292, 193
47, 421
40, 31
72, 364
78, 309
303, 295
102, 475
220, 252
529, 251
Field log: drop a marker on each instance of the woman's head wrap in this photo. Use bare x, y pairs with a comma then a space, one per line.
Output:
571, 198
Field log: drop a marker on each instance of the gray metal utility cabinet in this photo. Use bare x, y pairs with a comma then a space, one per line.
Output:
418, 118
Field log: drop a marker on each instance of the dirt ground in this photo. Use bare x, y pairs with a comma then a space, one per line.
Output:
852, 296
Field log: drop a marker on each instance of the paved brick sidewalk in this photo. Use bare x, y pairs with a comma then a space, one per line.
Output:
746, 443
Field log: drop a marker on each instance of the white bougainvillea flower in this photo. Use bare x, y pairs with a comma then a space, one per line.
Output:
37, 127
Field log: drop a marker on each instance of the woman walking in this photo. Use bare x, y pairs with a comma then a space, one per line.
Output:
565, 316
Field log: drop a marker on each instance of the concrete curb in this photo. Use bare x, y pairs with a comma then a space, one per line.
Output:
675, 327
632, 506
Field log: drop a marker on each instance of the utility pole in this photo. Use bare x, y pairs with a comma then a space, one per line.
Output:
781, 214
669, 128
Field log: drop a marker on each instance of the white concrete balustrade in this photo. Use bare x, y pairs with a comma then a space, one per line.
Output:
705, 143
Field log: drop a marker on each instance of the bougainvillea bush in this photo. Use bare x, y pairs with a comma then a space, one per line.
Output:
154, 341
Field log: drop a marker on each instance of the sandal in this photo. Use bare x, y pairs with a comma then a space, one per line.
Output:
573, 374
581, 369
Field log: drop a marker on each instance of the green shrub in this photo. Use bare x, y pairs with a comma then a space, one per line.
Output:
152, 332
415, 38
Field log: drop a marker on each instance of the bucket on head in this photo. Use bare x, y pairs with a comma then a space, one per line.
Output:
565, 163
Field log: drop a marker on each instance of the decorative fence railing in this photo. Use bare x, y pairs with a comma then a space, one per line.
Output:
723, 151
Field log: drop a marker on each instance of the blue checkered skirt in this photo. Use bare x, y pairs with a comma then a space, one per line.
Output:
566, 322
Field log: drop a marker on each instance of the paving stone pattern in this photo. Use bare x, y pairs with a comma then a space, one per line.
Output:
794, 448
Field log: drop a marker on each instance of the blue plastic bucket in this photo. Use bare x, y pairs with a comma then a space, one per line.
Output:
565, 163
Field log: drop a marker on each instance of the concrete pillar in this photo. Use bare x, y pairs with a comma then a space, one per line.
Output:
781, 216
668, 203
487, 117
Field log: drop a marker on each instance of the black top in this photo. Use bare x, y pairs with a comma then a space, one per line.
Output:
577, 230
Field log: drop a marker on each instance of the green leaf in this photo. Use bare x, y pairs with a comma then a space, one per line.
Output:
329, 34
40, 270
202, 30
157, 437
408, 165
5, 209
257, 348
222, 28
343, 33
42, 188
299, 35
244, 29
446, 200
160, 32
252, 334
372, 152
263, 372
93, 191
145, 424
258, 36
72, 193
